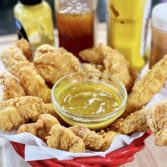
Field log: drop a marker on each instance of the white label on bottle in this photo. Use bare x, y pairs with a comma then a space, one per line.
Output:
145, 26
35, 38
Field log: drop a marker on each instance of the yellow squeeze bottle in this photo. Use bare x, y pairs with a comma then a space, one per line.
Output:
34, 22
127, 28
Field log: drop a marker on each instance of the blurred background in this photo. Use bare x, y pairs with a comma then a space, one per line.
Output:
7, 20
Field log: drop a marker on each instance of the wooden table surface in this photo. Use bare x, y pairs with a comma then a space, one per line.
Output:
151, 156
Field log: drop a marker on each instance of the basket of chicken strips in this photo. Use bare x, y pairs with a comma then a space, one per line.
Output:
57, 111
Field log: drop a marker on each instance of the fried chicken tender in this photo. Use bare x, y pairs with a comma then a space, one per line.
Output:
41, 128
95, 55
17, 111
25, 47
135, 122
157, 116
113, 63
141, 120
20, 110
108, 138
157, 122
161, 137
32, 128
147, 87
64, 139
19, 66
116, 65
46, 48
53, 63
11, 87
92, 140
10, 118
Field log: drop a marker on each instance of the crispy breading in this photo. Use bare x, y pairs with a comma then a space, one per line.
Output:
112, 62
41, 128
90, 67
53, 63
95, 55
157, 121
32, 128
23, 108
20, 110
64, 139
46, 48
161, 137
19, 66
11, 87
157, 116
108, 138
147, 87
25, 47
10, 118
135, 122
92, 140
49, 109
116, 65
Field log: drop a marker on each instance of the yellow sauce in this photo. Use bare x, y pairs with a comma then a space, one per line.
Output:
88, 99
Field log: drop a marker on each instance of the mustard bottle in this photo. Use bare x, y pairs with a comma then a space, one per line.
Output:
34, 22
127, 28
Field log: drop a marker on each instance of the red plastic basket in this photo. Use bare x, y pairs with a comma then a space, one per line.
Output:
114, 159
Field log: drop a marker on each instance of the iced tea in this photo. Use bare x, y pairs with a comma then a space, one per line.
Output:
75, 27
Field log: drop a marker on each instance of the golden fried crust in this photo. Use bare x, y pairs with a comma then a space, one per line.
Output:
19, 66
108, 138
161, 137
41, 128
111, 61
32, 128
20, 110
92, 140
11, 87
48, 121
147, 87
157, 121
89, 67
95, 55
29, 107
10, 118
46, 48
157, 117
116, 65
25, 47
54, 63
135, 122
64, 139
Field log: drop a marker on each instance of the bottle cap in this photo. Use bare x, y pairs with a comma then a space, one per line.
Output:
159, 16
30, 2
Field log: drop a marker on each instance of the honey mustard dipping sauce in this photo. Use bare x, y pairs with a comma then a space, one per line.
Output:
89, 100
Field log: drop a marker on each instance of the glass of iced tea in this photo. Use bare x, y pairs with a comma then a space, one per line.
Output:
75, 23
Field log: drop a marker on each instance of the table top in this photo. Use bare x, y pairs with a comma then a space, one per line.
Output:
151, 156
